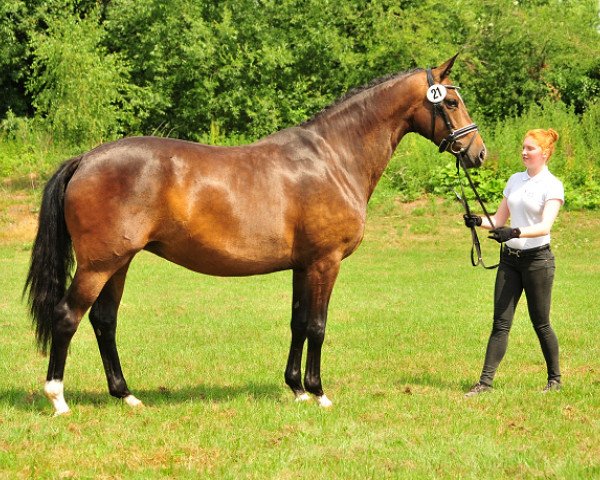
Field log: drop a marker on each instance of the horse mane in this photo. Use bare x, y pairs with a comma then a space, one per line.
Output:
357, 91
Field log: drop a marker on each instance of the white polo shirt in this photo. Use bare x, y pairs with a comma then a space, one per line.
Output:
526, 198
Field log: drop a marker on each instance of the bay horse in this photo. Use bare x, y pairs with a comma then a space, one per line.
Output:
296, 200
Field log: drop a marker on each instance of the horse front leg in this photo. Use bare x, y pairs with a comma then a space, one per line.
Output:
312, 291
293, 371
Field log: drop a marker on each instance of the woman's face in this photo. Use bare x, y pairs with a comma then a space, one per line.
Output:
532, 154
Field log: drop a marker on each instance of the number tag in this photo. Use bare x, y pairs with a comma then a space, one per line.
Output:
436, 93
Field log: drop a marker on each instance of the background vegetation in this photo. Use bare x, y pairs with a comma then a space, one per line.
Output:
75, 73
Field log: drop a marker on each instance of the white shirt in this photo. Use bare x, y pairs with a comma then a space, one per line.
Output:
526, 197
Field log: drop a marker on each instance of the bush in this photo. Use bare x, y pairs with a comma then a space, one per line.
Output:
417, 168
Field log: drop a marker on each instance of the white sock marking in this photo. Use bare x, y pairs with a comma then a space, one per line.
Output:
54, 391
132, 401
303, 397
324, 402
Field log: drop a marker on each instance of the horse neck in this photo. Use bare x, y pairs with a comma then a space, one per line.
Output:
365, 129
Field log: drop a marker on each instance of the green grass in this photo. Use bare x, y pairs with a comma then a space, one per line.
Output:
408, 324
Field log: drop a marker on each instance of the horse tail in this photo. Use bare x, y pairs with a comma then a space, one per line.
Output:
51, 256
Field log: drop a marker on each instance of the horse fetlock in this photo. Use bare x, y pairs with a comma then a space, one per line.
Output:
54, 391
117, 387
292, 380
313, 385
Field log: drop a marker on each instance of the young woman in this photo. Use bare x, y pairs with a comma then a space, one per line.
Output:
531, 200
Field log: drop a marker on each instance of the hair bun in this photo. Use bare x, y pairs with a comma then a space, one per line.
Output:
553, 133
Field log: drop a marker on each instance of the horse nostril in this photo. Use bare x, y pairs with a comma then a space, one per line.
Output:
482, 154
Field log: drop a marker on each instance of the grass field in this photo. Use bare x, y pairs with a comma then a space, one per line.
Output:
408, 324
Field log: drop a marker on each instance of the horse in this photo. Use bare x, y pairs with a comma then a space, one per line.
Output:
295, 199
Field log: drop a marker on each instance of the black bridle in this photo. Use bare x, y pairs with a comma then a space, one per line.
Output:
447, 144
453, 135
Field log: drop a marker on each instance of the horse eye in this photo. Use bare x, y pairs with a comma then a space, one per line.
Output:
452, 103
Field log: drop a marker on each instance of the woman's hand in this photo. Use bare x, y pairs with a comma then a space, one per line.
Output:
472, 221
504, 234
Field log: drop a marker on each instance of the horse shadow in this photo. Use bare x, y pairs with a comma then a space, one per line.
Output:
34, 400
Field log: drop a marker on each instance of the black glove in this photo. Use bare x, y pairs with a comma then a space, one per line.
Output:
471, 220
503, 234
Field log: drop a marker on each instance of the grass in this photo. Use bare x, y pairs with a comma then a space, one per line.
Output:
408, 324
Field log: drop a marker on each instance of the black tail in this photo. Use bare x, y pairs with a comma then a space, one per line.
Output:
51, 256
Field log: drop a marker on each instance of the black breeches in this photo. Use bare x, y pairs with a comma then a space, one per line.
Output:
533, 274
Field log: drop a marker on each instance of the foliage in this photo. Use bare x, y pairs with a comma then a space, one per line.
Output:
522, 52
252, 67
13, 59
231, 71
82, 93
417, 168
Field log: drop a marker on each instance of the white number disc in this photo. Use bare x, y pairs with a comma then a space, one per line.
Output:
436, 93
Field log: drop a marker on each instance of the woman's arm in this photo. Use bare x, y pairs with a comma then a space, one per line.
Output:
548, 216
499, 218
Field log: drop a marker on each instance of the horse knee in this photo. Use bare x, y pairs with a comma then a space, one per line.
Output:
316, 332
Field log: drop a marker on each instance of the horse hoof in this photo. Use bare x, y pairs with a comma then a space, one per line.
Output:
303, 397
62, 413
132, 401
324, 402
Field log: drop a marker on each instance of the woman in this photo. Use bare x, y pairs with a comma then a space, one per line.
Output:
531, 200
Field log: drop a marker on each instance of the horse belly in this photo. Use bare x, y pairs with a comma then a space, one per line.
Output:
225, 256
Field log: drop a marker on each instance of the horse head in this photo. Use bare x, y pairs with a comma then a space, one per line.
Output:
443, 118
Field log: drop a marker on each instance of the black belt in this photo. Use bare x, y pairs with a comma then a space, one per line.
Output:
525, 252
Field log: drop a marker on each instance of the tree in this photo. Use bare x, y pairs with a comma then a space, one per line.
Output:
80, 89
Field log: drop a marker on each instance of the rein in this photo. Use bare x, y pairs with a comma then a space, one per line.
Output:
436, 94
476, 246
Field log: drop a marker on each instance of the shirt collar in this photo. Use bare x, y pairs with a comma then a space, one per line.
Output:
536, 178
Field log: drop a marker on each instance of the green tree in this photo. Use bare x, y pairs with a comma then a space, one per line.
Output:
13, 58
520, 52
80, 89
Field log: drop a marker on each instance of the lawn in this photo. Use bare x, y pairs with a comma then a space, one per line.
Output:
408, 324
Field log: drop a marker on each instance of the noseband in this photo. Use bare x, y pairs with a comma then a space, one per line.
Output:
454, 135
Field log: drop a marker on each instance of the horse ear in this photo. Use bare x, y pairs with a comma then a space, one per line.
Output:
444, 70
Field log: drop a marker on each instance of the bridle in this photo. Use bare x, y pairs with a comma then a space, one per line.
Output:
438, 109
436, 95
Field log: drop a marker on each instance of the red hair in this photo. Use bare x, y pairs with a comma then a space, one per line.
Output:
545, 139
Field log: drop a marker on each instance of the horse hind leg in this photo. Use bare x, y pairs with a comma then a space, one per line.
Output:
103, 317
82, 292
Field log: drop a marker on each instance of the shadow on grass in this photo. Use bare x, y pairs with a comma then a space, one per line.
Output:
437, 381
35, 400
